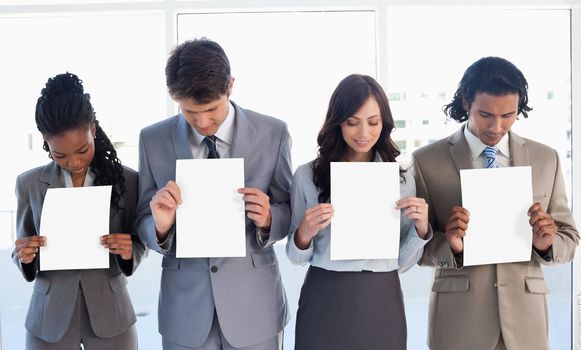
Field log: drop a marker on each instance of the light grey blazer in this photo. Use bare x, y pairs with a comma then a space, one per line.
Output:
55, 292
246, 292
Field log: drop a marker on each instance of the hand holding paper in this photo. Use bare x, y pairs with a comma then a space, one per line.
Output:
544, 228
258, 206
316, 218
416, 209
26, 248
456, 228
119, 243
163, 208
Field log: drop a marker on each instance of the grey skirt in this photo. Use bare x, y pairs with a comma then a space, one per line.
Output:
350, 311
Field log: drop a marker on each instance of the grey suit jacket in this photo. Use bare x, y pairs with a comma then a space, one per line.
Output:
246, 292
483, 301
55, 292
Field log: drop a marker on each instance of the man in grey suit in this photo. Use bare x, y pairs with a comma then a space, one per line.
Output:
216, 303
494, 306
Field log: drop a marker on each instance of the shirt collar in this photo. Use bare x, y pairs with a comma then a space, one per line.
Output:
225, 132
476, 146
89, 178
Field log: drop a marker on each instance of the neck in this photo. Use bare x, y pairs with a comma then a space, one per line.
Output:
78, 180
359, 157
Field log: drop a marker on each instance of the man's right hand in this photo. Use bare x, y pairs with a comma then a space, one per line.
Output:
27, 248
456, 228
163, 208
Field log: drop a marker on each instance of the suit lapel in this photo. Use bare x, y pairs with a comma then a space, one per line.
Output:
460, 151
518, 152
52, 176
244, 134
180, 137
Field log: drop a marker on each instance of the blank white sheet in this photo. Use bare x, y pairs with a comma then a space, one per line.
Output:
366, 224
498, 201
210, 222
73, 220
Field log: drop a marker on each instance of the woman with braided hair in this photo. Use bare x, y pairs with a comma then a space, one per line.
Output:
73, 307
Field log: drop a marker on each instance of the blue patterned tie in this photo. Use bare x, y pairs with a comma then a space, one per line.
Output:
490, 154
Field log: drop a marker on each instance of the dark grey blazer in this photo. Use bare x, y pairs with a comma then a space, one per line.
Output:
246, 292
55, 292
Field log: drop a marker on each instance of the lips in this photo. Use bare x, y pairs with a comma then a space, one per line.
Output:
76, 171
205, 131
361, 143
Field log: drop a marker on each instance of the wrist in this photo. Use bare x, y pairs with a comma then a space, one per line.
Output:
422, 231
302, 241
161, 234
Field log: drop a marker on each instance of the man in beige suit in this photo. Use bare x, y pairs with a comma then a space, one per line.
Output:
498, 306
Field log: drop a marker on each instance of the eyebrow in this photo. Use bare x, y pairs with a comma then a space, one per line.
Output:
502, 115
205, 110
77, 150
373, 116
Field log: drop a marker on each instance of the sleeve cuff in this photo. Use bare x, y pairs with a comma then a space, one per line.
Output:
458, 260
546, 256
296, 255
262, 238
166, 244
414, 239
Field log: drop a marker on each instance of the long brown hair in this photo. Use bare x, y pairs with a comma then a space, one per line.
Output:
351, 93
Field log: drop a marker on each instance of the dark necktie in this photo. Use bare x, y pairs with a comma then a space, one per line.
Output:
211, 143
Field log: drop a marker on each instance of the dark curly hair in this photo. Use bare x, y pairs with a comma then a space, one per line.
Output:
64, 106
351, 93
491, 75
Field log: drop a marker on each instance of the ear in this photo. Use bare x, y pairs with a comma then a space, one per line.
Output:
465, 105
230, 86
94, 131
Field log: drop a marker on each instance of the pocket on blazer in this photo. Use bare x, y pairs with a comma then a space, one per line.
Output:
42, 285
117, 282
170, 262
536, 285
451, 284
263, 258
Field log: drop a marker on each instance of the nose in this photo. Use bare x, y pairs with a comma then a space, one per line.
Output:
363, 130
496, 125
203, 121
73, 162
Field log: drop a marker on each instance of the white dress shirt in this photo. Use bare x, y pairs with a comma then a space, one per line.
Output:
224, 137
477, 146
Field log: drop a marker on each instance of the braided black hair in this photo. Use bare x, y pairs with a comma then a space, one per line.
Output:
63, 106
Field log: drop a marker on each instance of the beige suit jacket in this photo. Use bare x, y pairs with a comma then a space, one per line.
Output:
471, 306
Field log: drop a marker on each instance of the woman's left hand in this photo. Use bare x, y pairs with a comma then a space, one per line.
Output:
416, 209
118, 243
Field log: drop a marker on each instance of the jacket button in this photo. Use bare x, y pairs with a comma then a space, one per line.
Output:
214, 269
